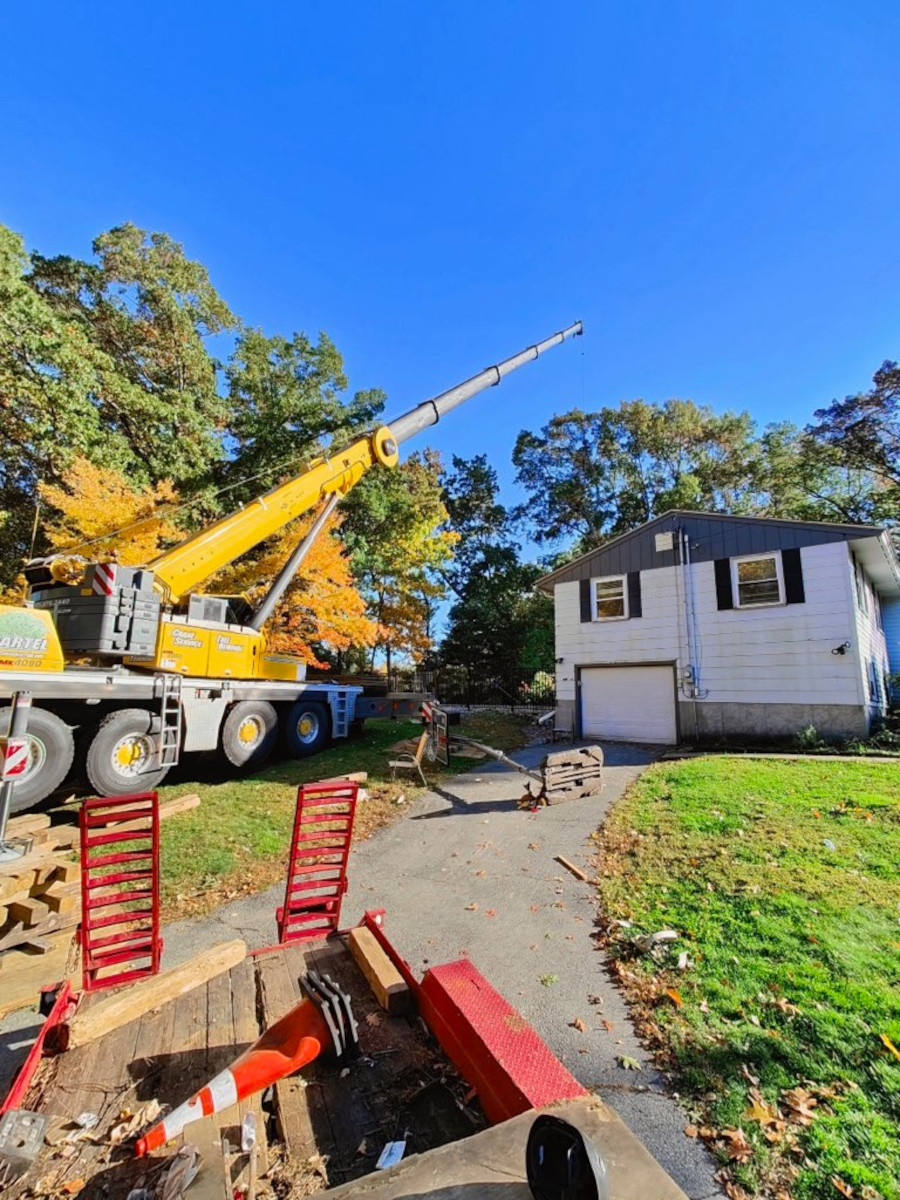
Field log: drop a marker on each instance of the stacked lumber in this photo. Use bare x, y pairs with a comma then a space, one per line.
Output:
39, 893
40, 904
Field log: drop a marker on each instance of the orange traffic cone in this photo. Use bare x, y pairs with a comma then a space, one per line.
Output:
292, 1042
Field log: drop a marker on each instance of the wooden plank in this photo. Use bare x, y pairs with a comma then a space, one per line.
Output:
570, 866
279, 993
125, 1005
246, 1031
19, 935
63, 898
25, 974
27, 823
389, 986
27, 913
491, 1165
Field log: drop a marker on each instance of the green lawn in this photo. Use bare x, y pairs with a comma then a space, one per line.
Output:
237, 840
782, 880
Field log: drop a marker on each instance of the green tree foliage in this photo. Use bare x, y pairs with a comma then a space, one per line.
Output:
497, 623
863, 432
396, 528
592, 475
805, 478
150, 311
286, 402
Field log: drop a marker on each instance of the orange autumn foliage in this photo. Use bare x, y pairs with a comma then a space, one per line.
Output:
322, 605
93, 501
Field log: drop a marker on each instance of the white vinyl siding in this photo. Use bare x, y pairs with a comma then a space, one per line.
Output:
629, 704
609, 598
772, 654
870, 641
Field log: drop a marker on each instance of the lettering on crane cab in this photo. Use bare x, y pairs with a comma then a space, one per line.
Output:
25, 645
225, 643
183, 637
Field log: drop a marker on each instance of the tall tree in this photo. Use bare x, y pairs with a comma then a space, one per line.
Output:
286, 402
497, 622
150, 310
396, 528
806, 479
863, 431
590, 475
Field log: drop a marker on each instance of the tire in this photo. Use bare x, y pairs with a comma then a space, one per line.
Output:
123, 742
306, 729
249, 733
51, 746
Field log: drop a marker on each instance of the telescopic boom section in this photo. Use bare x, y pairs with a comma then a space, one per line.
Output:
180, 569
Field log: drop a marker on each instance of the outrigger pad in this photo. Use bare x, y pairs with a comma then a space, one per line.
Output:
335, 1006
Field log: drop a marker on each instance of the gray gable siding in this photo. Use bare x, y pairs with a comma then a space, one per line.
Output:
711, 537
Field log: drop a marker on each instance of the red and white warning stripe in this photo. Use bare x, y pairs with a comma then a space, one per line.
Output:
427, 711
104, 578
220, 1093
15, 757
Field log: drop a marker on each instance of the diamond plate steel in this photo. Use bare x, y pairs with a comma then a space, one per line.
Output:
491, 1045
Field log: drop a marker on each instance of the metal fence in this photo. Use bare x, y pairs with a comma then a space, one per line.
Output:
515, 688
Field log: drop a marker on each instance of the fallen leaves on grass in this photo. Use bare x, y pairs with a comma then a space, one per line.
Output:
800, 1105
736, 1145
675, 997
760, 1109
886, 1041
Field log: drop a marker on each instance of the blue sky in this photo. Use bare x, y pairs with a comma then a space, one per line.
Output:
713, 188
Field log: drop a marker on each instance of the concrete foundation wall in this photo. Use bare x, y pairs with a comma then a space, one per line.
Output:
707, 721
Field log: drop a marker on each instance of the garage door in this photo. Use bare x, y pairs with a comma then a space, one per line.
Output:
629, 704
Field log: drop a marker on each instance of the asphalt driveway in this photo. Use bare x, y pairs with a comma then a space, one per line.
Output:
467, 873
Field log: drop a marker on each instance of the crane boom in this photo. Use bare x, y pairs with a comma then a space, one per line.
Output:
180, 569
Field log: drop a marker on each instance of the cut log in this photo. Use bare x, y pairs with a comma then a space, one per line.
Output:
390, 988
351, 777
132, 1002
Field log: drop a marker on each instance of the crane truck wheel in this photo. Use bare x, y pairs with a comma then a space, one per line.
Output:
51, 748
306, 729
249, 733
120, 753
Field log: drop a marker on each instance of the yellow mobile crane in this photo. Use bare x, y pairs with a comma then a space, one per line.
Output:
143, 669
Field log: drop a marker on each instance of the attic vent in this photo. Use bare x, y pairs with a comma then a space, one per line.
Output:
665, 541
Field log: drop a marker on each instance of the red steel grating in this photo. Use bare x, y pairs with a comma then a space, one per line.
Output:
317, 869
491, 1045
119, 890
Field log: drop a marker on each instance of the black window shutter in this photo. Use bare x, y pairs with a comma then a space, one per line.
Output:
724, 598
793, 577
585, 590
634, 594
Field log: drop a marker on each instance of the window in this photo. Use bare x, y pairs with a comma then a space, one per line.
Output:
758, 580
609, 598
862, 599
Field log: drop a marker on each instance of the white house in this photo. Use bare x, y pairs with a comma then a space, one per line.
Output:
698, 626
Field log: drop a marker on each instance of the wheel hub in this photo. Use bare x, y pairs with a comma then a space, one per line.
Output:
249, 731
131, 754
